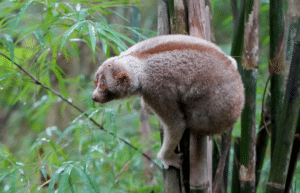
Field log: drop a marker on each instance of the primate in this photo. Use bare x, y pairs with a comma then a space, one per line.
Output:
186, 81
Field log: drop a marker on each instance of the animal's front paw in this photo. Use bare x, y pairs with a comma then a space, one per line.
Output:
170, 160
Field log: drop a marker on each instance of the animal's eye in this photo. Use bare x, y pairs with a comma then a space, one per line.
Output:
102, 86
95, 83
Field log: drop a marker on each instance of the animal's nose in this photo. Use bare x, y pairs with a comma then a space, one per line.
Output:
94, 98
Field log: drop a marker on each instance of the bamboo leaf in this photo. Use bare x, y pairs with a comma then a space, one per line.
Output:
23, 92
68, 32
55, 177
82, 14
107, 116
92, 36
60, 80
39, 38
13, 179
128, 106
105, 47
136, 32
84, 179
3, 20
22, 11
5, 76
78, 7
43, 170
64, 5
123, 37
52, 144
92, 180
119, 108
64, 180
11, 47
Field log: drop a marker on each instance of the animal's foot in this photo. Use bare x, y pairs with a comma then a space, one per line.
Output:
170, 160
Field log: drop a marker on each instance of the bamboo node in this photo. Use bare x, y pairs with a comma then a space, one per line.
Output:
276, 66
246, 174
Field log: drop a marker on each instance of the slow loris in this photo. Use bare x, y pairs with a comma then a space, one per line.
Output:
186, 81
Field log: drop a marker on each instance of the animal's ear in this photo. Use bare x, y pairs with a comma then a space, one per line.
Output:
123, 78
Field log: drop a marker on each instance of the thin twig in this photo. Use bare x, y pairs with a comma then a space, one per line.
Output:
36, 81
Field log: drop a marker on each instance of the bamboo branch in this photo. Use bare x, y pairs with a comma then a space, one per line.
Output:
37, 82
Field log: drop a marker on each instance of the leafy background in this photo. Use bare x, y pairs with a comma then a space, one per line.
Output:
61, 44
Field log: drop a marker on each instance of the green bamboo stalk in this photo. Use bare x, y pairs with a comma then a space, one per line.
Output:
263, 137
237, 52
289, 116
248, 137
216, 154
276, 66
294, 25
248, 117
219, 178
294, 159
238, 37
235, 184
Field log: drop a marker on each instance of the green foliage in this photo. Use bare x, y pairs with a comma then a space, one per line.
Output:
80, 157
36, 156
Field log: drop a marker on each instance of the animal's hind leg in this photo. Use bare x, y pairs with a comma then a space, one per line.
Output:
173, 127
172, 136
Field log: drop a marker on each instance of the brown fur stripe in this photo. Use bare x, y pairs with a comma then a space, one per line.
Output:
171, 46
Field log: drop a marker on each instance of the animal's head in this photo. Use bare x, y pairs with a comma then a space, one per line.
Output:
111, 81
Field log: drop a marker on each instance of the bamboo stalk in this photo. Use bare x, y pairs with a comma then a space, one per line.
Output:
294, 159
276, 66
222, 161
248, 125
293, 20
238, 37
263, 137
172, 175
200, 145
235, 184
289, 116
237, 52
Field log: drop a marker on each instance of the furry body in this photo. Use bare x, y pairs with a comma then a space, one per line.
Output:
186, 81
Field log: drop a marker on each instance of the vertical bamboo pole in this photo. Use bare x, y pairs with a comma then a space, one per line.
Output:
171, 176
200, 146
294, 159
276, 65
263, 137
250, 65
288, 121
235, 183
178, 17
293, 25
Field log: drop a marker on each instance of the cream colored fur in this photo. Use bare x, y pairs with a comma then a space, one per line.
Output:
186, 81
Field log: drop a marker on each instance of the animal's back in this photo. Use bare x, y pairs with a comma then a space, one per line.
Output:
208, 92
